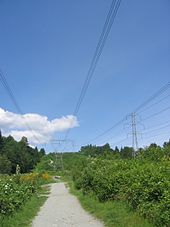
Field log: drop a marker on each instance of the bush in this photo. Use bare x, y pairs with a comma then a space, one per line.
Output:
5, 165
17, 190
13, 194
145, 185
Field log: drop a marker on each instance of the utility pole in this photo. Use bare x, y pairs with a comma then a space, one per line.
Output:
134, 134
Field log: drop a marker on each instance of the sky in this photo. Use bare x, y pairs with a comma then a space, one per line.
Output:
46, 48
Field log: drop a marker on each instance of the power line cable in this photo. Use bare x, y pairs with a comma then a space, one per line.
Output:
9, 91
155, 95
154, 104
161, 124
153, 130
98, 51
111, 137
157, 113
163, 133
108, 130
118, 142
13, 99
105, 32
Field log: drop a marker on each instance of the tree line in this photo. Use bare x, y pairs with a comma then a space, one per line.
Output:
18, 154
152, 152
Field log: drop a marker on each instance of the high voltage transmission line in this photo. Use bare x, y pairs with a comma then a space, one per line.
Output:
161, 124
162, 133
155, 95
13, 99
110, 18
156, 129
108, 130
10, 92
155, 103
157, 113
98, 51
103, 141
145, 103
118, 142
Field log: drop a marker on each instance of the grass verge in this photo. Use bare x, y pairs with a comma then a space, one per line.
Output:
112, 213
24, 216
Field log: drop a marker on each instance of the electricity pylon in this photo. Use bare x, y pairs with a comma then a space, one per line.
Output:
59, 154
134, 134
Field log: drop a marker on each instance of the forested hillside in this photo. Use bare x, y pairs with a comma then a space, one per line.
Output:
13, 153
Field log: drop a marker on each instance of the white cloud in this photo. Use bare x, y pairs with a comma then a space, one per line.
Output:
37, 128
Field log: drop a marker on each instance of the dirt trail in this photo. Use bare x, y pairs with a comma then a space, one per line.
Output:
62, 209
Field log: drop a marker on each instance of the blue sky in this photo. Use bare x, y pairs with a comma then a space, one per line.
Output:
46, 48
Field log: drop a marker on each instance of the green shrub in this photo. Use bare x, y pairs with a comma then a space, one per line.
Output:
145, 185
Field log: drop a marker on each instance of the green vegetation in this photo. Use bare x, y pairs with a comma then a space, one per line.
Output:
47, 164
13, 153
17, 194
145, 186
24, 216
14, 193
110, 183
113, 213
114, 178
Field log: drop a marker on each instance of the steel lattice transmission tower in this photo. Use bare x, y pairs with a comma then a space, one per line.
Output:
59, 153
134, 134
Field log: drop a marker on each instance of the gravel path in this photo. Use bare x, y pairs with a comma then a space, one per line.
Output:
62, 209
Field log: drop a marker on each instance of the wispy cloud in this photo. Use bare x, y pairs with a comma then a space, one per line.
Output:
37, 128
